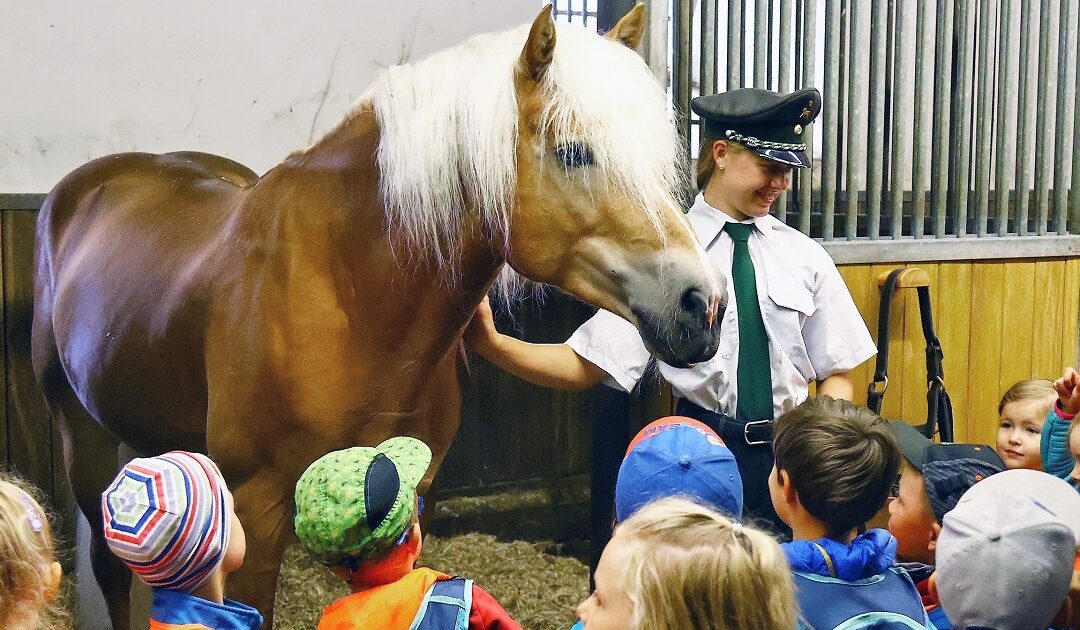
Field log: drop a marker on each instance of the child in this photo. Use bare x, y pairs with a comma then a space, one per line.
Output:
1022, 410
678, 456
1006, 552
1060, 444
835, 465
357, 511
933, 477
676, 565
29, 573
170, 518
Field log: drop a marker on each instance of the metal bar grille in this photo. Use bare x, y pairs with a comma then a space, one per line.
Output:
942, 118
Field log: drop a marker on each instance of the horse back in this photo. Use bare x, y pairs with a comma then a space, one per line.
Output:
124, 272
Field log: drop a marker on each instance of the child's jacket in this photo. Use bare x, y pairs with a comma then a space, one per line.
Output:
174, 610
394, 606
854, 585
1054, 447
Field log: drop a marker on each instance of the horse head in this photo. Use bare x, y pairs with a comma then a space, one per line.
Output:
599, 170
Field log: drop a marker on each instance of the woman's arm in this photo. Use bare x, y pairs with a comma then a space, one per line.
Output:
838, 386
553, 365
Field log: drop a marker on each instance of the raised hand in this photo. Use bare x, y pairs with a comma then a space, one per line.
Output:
1068, 390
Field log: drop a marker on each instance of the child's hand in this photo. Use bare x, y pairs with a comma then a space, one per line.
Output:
1068, 390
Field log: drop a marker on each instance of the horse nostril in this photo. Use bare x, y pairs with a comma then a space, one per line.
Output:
694, 302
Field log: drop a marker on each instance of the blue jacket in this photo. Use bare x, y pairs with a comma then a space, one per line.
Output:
1054, 448
855, 584
174, 609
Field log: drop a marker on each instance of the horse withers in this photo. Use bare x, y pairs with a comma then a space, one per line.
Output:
183, 302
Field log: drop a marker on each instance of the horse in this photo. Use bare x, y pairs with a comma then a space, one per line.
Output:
183, 302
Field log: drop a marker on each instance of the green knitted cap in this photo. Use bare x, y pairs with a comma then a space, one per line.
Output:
357, 502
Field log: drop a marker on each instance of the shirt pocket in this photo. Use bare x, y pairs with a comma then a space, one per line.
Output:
788, 307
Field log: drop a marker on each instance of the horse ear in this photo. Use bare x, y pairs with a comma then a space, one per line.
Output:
539, 48
630, 29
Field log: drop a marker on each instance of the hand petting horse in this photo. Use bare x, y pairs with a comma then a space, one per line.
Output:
181, 301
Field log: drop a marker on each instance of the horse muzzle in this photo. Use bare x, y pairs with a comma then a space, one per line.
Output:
690, 335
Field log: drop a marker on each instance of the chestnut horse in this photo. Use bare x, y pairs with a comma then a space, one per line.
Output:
183, 302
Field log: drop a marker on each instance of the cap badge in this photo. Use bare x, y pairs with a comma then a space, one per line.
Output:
806, 112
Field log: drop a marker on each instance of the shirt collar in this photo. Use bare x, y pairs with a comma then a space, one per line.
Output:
708, 221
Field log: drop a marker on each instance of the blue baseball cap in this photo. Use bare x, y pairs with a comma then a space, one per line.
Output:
678, 456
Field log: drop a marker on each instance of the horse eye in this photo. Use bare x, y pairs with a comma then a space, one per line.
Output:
574, 154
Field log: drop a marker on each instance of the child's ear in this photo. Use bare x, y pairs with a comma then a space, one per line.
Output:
52, 585
935, 531
416, 541
786, 487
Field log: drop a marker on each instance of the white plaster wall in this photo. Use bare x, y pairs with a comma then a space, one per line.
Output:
249, 80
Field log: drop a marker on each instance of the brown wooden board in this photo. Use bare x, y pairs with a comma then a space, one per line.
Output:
1049, 300
34, 449
1017, 323
952, 317
1070, 329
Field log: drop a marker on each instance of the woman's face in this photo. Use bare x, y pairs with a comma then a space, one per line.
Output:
609, 607
748, 183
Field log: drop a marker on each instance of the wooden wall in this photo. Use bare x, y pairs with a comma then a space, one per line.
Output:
30, 442
999, 322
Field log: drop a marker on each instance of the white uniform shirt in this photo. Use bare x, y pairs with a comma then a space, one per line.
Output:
813, 326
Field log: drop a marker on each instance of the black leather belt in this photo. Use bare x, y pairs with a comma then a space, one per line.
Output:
753, 433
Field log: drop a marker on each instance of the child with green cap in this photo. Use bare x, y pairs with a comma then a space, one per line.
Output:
357, 511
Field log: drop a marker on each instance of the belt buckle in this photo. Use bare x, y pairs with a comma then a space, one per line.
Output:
746, 433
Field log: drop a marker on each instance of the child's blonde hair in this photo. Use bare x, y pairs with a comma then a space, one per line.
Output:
691, 568
27, 597
1031, 389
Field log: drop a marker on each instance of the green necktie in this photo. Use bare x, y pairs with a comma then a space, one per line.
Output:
754, 376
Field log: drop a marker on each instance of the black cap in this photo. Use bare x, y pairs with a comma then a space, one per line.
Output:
948, 470
767, 123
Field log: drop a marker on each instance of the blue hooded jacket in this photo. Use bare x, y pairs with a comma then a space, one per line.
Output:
868, 555
854, 585
184, 611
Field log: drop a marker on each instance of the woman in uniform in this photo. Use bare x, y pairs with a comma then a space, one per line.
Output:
790, 319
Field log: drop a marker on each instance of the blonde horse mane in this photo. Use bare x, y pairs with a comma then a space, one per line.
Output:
449, 132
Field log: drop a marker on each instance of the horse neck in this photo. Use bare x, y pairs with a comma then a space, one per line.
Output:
391, 299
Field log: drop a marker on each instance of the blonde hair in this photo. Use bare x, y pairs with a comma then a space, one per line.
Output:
26, 557
1031, 389
449, 127
691, 568
706, 165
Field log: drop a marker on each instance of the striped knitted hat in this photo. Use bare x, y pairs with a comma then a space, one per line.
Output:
168, 519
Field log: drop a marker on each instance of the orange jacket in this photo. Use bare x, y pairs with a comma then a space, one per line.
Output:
394, 606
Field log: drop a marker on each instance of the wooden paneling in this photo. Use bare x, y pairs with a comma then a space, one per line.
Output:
984, 349
30, 436
953, 325
863, 288
1070, 329
999, 322
1048, 296
32, 442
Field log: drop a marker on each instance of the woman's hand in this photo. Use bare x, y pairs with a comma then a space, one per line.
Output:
480, 334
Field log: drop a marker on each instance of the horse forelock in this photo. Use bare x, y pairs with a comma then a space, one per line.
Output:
449, 130
615, 106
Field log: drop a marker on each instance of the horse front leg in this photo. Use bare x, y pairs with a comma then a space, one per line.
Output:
92, 462
264, 504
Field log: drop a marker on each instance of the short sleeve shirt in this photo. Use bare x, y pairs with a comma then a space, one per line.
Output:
814, 329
